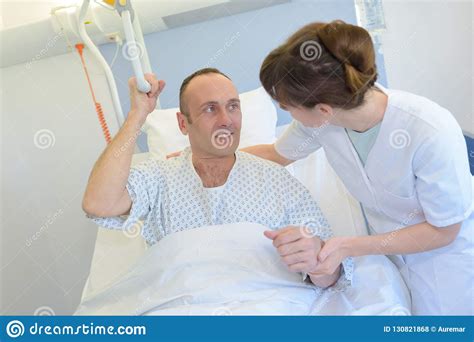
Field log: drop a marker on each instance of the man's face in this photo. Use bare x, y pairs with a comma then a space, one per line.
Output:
213, 104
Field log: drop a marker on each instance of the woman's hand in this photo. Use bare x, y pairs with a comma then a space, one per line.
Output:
143, 104
334, 251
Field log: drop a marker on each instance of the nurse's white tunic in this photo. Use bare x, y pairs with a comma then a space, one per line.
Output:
416, 171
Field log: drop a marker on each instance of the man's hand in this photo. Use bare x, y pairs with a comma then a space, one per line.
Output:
142, 104
325, 280
298, 251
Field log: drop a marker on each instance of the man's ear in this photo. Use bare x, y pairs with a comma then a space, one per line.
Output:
182, 122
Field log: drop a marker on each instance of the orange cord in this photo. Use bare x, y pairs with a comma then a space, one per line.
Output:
98, 107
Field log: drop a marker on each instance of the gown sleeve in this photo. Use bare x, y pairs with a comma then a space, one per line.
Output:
143, 185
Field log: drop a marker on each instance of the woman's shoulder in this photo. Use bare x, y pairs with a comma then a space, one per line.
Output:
416, 111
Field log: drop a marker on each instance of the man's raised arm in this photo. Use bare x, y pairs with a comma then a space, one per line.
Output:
106, 193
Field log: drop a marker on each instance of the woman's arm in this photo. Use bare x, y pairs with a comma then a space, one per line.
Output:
417, 238
267, 151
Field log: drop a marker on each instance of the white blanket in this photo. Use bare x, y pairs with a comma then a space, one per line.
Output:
234, 270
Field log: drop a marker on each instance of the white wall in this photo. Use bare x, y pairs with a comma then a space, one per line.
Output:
428, 51
42, 188
14, 13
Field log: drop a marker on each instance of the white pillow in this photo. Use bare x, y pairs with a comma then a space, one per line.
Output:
259, 119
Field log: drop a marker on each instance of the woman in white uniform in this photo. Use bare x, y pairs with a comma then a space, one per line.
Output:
402, 156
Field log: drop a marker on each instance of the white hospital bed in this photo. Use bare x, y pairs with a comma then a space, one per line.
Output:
378, 288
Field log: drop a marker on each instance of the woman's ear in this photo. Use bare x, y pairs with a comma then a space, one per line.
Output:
326, 111
182, 122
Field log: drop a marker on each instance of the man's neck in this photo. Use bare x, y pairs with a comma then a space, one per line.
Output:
213, 171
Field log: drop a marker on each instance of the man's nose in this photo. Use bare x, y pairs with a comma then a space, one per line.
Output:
224, 119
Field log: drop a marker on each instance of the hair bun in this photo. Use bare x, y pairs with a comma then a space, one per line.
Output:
356, 80
352, 46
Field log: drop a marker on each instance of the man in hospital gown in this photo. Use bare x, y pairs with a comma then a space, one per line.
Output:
210, 183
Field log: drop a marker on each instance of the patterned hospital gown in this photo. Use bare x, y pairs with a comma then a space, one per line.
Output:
168, 195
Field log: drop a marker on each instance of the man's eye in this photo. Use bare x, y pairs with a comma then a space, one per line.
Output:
234, 106
209, 109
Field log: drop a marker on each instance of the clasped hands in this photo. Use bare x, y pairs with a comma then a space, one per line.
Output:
303, 252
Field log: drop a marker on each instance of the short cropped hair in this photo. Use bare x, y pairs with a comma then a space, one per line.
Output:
182, 103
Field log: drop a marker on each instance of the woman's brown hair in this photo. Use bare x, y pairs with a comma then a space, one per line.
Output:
331, 63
